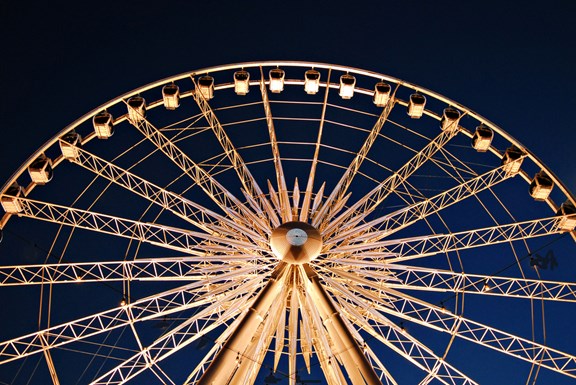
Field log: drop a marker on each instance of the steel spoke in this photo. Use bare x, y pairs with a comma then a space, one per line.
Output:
184, 297
213, 189
280, 178
160, 269
332, 202
199, 370
248, 182
363, 207
440, 319
201, 323
192, 212
305, 211
396, 221
417, 247
418, 278
185, 241
385, 377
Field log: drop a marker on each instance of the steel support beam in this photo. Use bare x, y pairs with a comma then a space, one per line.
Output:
352, 356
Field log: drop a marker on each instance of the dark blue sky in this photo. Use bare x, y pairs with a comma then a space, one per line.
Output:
512, 62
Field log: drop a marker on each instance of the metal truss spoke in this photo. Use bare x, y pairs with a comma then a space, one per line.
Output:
410, 248
192, 212
364, 206
440, 319
160, 269
228, 306
418, 278
280, 178
361, 310
184, 297
430, 279
305, 210
248, 182
185, 241
331, 204
391, 223
216, 191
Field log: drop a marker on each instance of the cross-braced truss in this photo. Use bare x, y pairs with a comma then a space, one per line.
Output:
422, 235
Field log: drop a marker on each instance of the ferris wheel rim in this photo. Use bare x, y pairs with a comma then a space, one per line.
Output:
291, 63
151, 86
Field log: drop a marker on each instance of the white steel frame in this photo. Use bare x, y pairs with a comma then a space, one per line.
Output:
337, 312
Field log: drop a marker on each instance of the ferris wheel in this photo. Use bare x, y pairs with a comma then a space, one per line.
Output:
286, 222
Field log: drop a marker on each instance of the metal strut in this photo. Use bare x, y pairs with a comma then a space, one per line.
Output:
357, 365
222, 369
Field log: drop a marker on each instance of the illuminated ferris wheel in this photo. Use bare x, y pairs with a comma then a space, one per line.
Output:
268, 222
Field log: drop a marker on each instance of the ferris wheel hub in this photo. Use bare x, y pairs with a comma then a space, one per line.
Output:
296, 242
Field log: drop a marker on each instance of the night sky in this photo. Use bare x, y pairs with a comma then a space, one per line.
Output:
511, 62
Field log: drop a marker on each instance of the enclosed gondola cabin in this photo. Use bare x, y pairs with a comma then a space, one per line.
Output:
69, 145
241, 82
171, 96
206, 86
482, 138
347, 85
541, 186
568, 222
136, 109
103, 125
450, 119
512, 160
381, 94
10, 202
416, 105
276, 80
311, 82
41, 170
